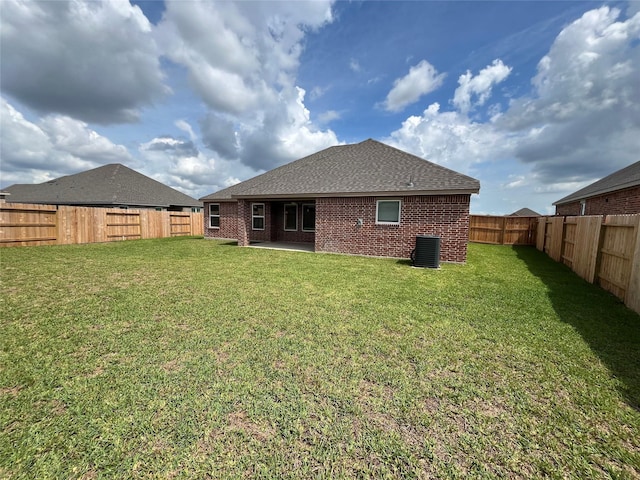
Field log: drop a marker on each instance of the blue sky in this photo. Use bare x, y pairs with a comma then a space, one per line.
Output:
535, 99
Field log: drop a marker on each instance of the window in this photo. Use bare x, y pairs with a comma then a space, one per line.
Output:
291, 217
308, 218
214, 215
388, 212
257, 216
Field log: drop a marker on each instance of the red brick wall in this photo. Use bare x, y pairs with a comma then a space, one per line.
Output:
446, 216
228, 221
622, 202
569, 209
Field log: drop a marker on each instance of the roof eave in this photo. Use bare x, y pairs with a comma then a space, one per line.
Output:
398, 193
217, 200
573, 198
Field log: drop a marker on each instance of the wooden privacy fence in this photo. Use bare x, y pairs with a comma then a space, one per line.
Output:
26, 224
503, 230
602, 250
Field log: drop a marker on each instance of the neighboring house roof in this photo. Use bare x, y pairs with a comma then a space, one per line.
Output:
625, 178
361, 169
112, 184
524, 212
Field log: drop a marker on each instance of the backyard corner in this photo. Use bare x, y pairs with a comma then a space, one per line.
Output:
192, 359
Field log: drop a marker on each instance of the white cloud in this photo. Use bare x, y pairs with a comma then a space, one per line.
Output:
177, 163
515, 181
317, 92
53, 147
254, 52
583, 118
231, 181
329, 116
354, 65
581, 122
95, 61
185, 127
451, 139
285, 133
422, 78
479, 86
246, 75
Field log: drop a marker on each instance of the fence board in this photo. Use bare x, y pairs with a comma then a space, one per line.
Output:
34, 225
618, 245
502, 230
569, 241
180, 224
602, 250
554, 248
632, 297
587, 242
123, 225
27, 224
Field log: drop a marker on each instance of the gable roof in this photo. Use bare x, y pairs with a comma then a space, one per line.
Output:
625, 178
112, 184
524, 212
365, 168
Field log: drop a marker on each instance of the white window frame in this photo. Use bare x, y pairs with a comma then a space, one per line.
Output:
253, 217
212, 215
295, 229
314, 223
398, 201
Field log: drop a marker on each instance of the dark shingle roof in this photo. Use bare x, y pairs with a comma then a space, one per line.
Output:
112, 184
365, 168
625, 178
524, 212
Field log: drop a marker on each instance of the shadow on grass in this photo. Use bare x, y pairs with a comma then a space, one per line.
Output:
222, 243
610, 328
404, 262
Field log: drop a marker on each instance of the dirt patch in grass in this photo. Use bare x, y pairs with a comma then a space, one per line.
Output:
89, 475
96, 373
239, 421
11, 391
172, 366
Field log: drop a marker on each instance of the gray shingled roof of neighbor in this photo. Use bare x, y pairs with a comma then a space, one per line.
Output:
112, 184
524, 212
361, 169
624, 178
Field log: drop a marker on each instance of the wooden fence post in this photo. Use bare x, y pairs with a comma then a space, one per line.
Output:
541, 232
632, 297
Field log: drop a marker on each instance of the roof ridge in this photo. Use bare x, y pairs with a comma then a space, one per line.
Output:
369, 167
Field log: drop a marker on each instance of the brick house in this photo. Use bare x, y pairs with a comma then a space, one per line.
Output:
615, 194
364, 199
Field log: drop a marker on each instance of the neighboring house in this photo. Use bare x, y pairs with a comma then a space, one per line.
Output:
615, 194
113, 186
524, 212
364, 199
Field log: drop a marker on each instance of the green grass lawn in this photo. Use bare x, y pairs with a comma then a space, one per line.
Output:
189, 358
